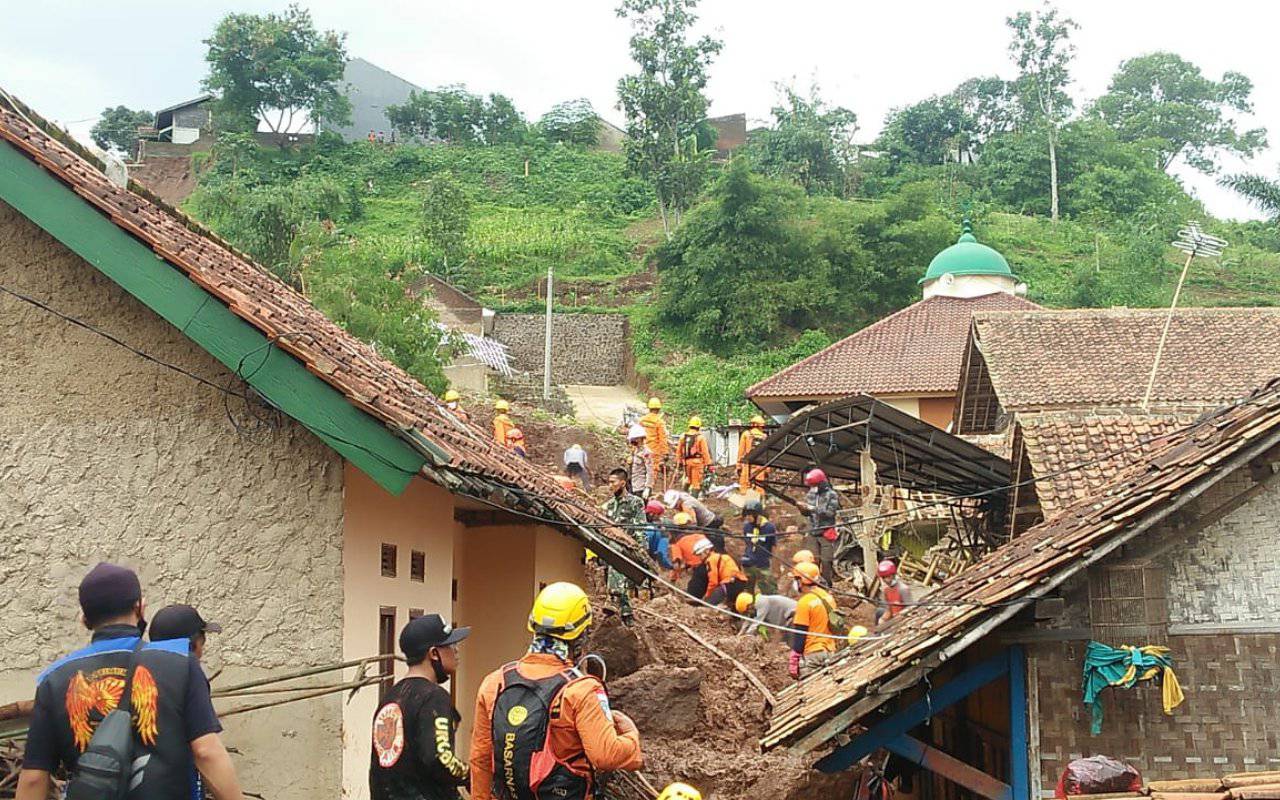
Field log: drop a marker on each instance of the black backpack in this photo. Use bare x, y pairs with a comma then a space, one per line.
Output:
524, 766
105, 770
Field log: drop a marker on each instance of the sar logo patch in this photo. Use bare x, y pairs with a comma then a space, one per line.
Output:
517, 715
388, 734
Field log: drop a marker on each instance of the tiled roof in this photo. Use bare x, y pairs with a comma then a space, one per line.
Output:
1103, 357
1173, 471
917, 349
476, 466
1078, 453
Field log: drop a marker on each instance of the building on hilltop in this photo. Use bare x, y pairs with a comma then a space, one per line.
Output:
911, 359
370, 89
244, 454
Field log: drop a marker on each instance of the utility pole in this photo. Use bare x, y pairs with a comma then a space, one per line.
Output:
1194, 242
546, 353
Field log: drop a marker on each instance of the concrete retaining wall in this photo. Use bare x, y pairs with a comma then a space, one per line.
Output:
592, 349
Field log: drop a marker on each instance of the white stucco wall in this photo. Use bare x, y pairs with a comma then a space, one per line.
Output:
968, 285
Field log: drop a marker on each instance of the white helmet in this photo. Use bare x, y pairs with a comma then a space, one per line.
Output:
671, 498
701, 546
637, 432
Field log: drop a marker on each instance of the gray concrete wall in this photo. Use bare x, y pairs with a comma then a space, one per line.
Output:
591, 349
370, 89
106, 456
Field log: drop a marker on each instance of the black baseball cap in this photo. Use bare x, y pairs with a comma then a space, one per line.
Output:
180, 622
107, 591
426, 632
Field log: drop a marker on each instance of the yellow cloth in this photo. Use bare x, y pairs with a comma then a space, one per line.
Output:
1171, 690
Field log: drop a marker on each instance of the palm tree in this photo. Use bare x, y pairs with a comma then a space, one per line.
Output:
1262, 192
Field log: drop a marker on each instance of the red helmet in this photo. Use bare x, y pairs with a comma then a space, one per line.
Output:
814, 477
887, 569
654, 508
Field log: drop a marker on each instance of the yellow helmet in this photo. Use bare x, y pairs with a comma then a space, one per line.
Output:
802, 557
561, 610
655, 404
452, 396
744, 601
680, 791
757, 421
808, 572
695, 422
682, 519
502, 405
856, 633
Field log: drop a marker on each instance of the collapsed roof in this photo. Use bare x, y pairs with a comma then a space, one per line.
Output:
1175, 469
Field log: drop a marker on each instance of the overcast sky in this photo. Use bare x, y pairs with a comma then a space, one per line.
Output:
70, 58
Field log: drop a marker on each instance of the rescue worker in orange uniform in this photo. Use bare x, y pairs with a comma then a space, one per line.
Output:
751, 478
541, 711
684, 553
453, 402
812, 642
694, 456
502, 423
725, 580
655, 426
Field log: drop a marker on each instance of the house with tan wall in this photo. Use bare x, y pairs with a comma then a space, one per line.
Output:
172, 406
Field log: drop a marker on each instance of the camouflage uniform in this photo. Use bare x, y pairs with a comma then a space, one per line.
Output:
627, 510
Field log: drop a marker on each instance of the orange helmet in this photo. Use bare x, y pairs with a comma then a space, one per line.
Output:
808, 572
803, 557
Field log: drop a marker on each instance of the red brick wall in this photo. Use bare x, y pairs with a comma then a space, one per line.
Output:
1230, 721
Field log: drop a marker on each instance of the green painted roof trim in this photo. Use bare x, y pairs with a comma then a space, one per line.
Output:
364, 441
968, 256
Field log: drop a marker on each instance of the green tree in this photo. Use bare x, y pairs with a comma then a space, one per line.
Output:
930, 131
454, 115
446, 218
664, 103
573, 122
1166, 102
809, 143
1042, 49
117, 128
275, 67
1259, 190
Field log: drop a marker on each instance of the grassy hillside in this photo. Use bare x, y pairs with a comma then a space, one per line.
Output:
579, 213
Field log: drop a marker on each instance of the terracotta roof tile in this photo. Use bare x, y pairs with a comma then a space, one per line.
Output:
1034, 563
1103, 357
1074, 454
352, 367
917, 349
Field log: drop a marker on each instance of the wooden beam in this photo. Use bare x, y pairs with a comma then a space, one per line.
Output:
934, 701
950, 767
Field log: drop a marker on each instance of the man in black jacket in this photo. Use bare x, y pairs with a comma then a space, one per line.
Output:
413, 732
175, 728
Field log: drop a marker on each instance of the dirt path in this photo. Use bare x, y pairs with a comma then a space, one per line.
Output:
602, 405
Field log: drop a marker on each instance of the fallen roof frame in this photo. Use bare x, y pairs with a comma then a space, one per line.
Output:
908, 452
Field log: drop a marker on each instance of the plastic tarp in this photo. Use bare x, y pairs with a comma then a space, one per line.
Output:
1122, 667
1098, 775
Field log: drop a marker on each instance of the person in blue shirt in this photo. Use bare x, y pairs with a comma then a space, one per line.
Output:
656, 539
760, 535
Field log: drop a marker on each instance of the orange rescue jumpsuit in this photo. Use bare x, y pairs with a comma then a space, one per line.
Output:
694, 457
722, 570
501, 424
655, 428
584, 733
750, 477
